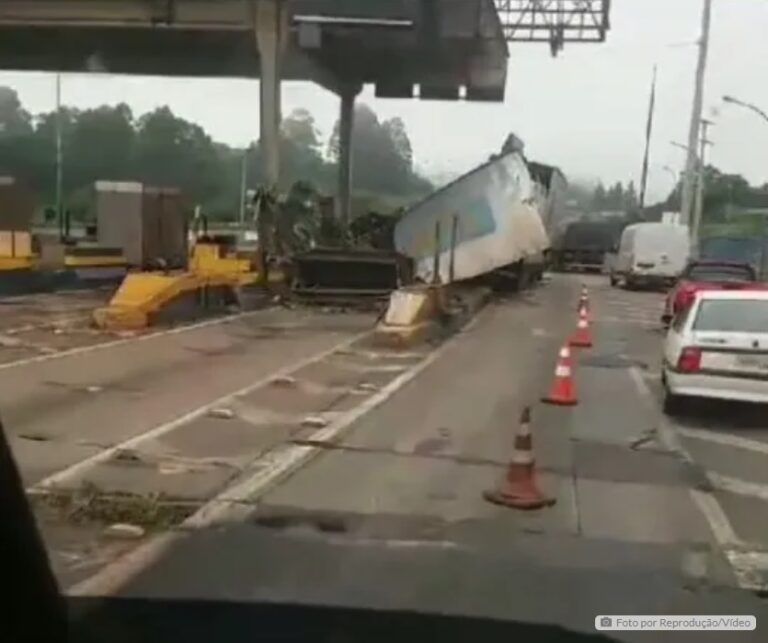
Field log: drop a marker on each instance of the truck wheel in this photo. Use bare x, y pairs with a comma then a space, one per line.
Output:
614, 280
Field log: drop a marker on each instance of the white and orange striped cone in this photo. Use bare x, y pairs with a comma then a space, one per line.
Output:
563, 390
519, 489
583, 300
582, 338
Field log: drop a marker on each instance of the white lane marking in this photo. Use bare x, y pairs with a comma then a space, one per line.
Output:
118, 342
237, 500
750, 567
725, 439
76, 469
739, 486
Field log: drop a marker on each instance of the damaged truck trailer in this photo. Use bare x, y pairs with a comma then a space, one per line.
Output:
487, 224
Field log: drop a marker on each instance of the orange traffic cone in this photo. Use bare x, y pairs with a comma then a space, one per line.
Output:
563, 391
519, 489
583, 300
582, 338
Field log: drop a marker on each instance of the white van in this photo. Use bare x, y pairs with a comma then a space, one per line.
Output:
650, 254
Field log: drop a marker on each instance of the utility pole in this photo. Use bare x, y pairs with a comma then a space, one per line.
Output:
699, 203
648, 130
686, 210
59, 160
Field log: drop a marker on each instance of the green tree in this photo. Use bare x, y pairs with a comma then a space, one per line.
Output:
599, 197
173, 152
395, 129
99, 143
382, 154
615, 197
16, 129
161, 149
631, 199
301, 157
14, 120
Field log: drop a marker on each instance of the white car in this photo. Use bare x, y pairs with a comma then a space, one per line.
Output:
718, 348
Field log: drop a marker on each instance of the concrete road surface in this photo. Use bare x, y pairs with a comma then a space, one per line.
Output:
376, 499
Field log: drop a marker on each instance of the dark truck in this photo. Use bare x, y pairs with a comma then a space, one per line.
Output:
584, 244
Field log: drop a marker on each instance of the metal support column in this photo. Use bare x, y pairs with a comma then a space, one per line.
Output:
271, 38
346, 126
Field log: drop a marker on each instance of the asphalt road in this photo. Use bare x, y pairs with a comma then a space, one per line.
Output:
380, 504
391, 515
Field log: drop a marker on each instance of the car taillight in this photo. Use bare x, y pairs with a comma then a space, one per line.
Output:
689, 360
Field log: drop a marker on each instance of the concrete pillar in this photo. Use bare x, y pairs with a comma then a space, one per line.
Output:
271, 38
346, 125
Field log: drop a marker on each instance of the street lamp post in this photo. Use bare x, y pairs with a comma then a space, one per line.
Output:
674, 176
750, 106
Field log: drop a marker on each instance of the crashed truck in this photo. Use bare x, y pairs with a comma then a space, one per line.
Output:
491, 224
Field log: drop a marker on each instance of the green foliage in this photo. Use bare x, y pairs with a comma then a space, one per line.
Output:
726, 197
161, 149
382, 153
617, 198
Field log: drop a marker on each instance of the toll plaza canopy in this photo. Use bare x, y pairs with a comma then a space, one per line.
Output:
442, 49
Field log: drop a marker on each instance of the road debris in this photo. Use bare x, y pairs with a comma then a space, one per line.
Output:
9, 342
222, 413
34, 437
127, 456
284, 380
124, 531
644, 438
314, 422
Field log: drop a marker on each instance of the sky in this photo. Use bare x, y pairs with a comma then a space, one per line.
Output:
583, 111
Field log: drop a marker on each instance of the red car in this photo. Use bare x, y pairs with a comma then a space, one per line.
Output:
708, 275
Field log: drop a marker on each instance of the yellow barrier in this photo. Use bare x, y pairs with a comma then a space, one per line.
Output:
143, 294
71, 261
17, 263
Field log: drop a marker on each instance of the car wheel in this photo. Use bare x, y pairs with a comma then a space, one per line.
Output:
614, 280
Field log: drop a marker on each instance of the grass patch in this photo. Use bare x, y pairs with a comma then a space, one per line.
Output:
88, 504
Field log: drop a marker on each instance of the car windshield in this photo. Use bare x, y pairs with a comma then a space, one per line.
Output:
732, 315
720, 273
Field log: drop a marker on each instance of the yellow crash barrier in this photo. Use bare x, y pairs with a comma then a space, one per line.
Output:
143, 294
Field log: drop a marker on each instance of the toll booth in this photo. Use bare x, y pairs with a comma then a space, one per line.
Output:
149, 224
